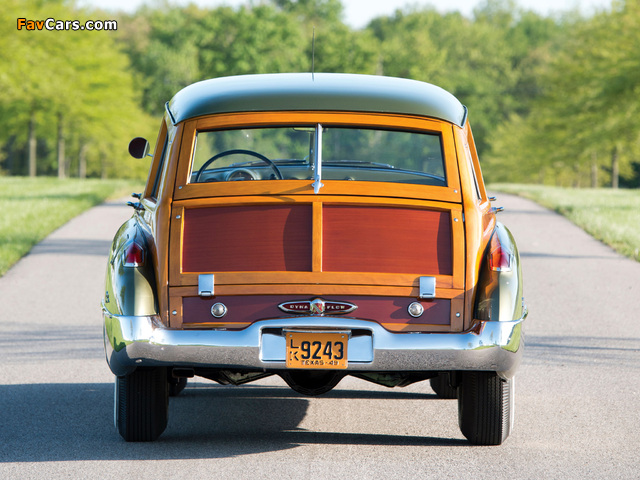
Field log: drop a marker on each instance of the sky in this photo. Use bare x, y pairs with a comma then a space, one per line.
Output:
358, 13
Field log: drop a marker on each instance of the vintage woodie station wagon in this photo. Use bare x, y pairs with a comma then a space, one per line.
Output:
314, 226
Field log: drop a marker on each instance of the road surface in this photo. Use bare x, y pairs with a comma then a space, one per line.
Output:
577, 397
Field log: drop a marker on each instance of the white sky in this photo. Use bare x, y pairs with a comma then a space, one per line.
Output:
359, 12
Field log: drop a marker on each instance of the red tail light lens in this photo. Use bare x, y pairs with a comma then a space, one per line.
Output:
133, 255
499, 258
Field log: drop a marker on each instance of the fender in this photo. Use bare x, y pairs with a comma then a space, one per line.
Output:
499, 291
130, 289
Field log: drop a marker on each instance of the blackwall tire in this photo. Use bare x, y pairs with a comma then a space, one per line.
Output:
141, 404
442, 387
485, 407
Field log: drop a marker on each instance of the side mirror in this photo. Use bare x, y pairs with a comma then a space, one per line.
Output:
139, 147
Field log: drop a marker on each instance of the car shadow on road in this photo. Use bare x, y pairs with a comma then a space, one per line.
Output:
66, 422
613, 352
73, 246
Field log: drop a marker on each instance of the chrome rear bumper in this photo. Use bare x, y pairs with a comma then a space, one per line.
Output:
138, 341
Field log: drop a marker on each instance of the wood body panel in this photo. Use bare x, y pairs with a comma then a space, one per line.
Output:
247, 238
262, 254
250, 308
387, 240
318, 243
427, 229
314, 289
480, 219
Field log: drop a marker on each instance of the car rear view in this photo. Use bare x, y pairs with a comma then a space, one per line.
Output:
312, 227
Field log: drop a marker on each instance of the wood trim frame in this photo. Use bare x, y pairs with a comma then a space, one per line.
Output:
178, 278
450, 193
157, 213
479, 218
177, 294
316, 281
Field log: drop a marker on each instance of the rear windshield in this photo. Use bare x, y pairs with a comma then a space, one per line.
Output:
318, 151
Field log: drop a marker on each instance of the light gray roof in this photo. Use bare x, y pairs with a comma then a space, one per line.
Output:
321, 91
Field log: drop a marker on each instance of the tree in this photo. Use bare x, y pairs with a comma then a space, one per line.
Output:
469, 58
588, 109
67, 92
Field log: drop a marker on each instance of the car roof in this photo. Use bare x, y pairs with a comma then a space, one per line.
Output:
319, 91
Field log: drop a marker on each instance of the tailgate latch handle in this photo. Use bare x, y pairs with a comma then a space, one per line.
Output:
427, 287
205, 285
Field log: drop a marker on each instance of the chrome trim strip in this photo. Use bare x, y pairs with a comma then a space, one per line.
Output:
317, 306
317, 184
133, 341
168, 110
464, 116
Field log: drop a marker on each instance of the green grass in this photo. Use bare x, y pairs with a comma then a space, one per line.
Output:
611, 216
31, 208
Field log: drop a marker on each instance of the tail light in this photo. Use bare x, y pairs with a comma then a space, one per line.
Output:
499, 257
133, 255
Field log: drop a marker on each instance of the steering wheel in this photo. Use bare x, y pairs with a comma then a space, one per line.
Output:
226, 153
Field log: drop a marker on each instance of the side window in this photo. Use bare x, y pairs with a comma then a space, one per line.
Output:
472, 170
152, 189
163, 156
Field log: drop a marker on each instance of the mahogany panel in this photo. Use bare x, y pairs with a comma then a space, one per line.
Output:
387, 240
247, 238
246, 309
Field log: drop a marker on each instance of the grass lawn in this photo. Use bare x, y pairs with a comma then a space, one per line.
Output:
31, 208
611, 216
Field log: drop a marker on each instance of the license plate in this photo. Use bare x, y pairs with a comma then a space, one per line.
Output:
321, 350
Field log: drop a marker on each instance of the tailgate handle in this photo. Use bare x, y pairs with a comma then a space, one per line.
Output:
205, 285
427, 287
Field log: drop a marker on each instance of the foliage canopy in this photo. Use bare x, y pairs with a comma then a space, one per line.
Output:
552, 98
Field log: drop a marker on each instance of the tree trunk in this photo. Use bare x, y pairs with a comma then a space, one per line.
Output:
61, 164
379, 66
11, 152
615, 168
577, 183
82, 161
103, 167
32, 145
594, 170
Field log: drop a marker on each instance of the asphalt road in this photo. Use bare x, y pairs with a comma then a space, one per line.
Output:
577, 399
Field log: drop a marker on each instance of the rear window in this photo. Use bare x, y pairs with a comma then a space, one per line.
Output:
311, 151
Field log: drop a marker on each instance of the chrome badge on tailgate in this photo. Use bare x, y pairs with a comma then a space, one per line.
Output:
317, 306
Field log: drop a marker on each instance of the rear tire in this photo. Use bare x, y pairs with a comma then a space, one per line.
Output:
442, 386
485, 407
141, 404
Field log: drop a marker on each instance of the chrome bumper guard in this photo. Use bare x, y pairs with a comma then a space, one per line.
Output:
141, 341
